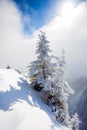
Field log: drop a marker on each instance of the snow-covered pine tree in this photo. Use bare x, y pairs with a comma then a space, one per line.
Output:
40, 69
75, 122
60, 92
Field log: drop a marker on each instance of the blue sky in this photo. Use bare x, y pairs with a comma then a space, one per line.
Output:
39, 11
21, 21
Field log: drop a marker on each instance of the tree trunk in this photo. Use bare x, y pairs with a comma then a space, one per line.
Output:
44, 74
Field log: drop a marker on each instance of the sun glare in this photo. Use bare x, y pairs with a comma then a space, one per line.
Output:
67, 9
67, 12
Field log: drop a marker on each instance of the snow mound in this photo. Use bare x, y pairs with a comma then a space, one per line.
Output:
20, 106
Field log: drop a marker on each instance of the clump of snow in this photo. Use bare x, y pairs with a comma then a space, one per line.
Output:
20, 106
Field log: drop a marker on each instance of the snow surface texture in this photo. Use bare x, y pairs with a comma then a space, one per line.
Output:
21, 108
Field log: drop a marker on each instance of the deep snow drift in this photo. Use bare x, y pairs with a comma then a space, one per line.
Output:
21, 108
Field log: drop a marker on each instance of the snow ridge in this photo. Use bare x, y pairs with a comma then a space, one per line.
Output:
21, 107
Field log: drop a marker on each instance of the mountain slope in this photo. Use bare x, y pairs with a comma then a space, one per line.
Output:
79, 103
21, 108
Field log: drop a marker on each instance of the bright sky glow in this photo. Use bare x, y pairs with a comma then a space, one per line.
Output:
67, 9
67, 29
67, 12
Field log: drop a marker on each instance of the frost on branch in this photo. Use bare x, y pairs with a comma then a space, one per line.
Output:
40, 69
48, 76
75, 122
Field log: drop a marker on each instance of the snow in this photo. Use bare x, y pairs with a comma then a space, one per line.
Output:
21, 108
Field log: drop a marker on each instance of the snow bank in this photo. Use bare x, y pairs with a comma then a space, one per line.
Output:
20, 106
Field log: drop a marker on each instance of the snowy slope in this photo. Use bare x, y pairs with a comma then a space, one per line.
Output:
20, 106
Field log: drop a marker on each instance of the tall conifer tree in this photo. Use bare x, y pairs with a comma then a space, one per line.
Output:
40, 68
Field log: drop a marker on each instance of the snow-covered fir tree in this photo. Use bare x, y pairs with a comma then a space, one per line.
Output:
49, 75
40, 69
60, 92
75, 122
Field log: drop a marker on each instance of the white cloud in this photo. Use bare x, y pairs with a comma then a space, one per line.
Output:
17, 50
71, 34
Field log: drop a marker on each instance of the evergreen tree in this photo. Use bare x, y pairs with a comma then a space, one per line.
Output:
75, 122
50, 76
40, 70
60, 92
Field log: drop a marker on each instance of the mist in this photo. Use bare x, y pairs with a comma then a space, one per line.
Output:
18, 49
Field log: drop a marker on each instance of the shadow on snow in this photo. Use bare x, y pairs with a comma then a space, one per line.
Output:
12, 96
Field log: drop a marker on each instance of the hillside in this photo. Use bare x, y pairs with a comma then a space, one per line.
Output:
21, 108
79, 102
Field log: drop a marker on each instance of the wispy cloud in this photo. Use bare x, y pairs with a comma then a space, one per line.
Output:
18, 50
14, 47
70, 33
